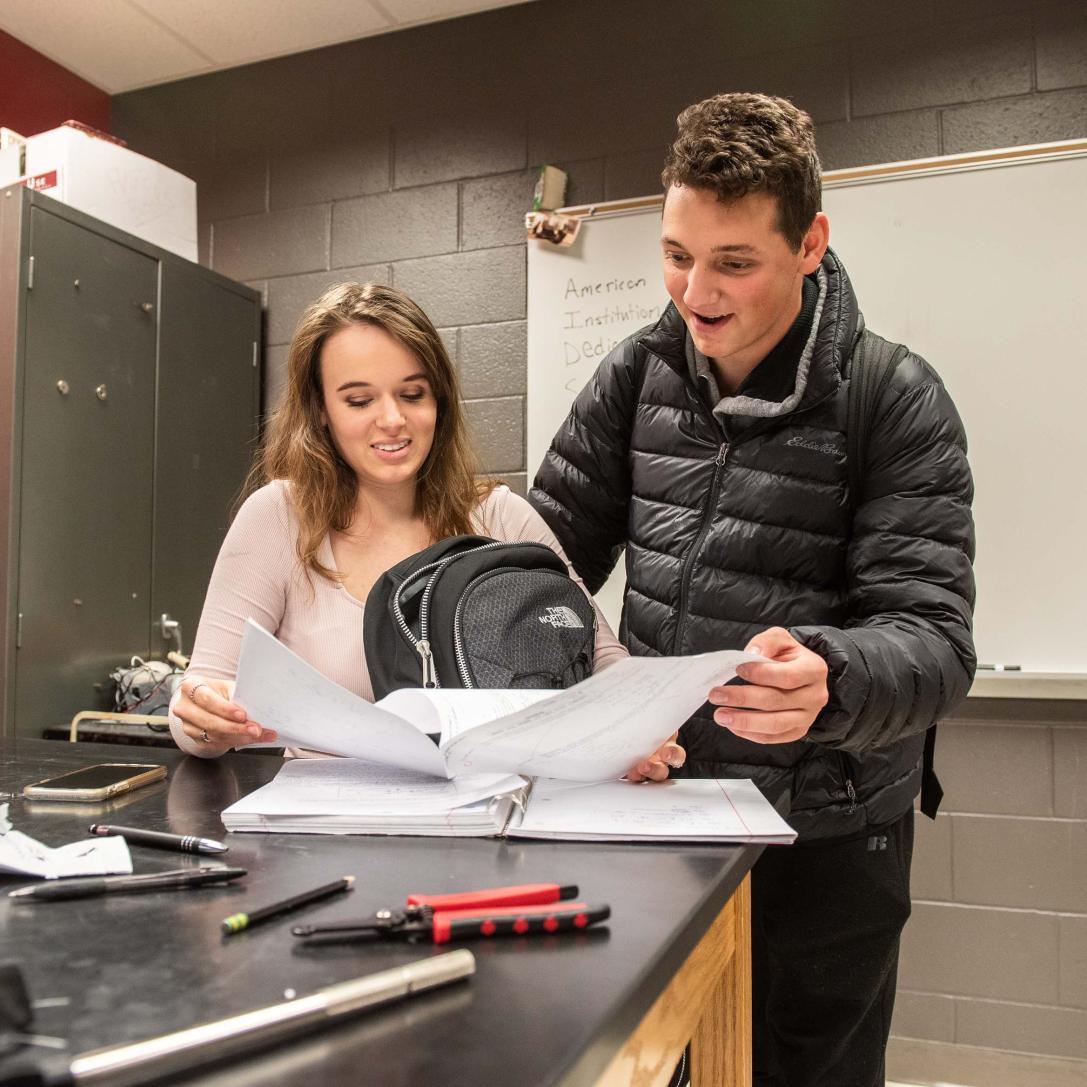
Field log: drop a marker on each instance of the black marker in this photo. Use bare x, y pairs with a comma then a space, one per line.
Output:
86, 886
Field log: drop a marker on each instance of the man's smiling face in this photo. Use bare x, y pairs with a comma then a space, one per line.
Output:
732, 275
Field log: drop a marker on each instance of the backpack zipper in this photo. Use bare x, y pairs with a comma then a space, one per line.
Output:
707, 517
422, 647
422, 643
397, 612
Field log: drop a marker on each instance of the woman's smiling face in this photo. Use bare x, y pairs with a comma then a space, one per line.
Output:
378, 405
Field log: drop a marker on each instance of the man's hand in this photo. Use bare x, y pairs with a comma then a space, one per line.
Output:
782, 697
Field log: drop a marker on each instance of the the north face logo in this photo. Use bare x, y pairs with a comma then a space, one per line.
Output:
562, 616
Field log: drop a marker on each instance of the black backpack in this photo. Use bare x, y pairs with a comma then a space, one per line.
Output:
472, 612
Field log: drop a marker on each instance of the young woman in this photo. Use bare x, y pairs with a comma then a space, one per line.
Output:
366, 461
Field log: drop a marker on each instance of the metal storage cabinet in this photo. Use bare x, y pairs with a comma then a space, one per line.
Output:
129, 403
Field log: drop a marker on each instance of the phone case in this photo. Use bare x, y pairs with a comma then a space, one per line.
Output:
39, 790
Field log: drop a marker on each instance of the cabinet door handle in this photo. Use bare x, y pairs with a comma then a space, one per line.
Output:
171, 629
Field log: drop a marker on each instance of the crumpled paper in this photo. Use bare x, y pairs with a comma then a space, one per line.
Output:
22, 855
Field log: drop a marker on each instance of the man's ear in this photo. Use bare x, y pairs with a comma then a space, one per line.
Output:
815, 243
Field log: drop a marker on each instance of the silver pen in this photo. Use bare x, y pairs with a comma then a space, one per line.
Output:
184, 843
123, 1065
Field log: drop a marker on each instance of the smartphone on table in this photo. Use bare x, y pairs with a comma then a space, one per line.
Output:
98, 782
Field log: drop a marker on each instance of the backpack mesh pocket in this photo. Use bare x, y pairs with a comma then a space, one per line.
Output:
525, 629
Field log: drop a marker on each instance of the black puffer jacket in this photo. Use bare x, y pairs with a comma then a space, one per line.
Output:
737, 524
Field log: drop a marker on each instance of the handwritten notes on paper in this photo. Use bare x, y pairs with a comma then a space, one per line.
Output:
594, 731
701, 809
600, 728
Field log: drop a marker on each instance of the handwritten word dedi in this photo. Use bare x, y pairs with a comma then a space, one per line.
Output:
573, 353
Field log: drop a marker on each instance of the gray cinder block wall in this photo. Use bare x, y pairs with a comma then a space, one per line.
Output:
409, 159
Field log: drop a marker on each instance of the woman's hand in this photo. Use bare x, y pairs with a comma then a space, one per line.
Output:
655, 768
209, 717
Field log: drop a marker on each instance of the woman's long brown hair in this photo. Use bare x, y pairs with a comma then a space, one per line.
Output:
298, 448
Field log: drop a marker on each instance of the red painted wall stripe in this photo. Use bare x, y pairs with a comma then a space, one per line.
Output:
37, 94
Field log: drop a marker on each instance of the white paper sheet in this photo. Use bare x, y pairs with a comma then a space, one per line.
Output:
450, 711
350, 796
689, 809
26, 856
349, 786
282, 691
600, 728
594, 731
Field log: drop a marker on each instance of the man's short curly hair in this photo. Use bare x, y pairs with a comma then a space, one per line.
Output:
735, 144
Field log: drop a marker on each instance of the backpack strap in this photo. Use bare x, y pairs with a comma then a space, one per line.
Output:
932, 792
874, 361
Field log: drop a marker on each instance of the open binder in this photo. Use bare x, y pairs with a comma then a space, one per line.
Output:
542, 764
350, 796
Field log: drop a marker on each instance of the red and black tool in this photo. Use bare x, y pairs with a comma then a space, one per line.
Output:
526, 894
533, 909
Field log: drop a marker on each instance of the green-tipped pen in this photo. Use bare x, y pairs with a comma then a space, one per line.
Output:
239, 922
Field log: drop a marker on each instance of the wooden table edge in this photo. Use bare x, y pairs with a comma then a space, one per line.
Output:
708, 1002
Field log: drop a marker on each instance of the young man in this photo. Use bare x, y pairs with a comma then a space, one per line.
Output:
712, 446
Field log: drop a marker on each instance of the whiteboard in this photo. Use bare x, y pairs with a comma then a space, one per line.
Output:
582, 301
979, 263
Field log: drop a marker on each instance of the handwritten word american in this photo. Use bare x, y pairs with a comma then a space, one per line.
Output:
605, 286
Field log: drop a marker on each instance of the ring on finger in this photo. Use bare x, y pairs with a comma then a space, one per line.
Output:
193, 689
204, 736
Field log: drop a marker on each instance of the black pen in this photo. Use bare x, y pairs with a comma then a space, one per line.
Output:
236, 922
85, 887
184, 843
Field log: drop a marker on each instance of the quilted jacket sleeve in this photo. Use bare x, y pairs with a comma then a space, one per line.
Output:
906, 658
582, 488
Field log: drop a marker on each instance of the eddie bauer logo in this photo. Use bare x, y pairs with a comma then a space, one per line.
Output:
562, 616
815, 447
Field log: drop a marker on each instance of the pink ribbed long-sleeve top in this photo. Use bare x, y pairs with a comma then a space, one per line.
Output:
257, 575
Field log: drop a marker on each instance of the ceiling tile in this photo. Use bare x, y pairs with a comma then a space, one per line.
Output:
247, 30
120, 45
418, 11
108, 43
